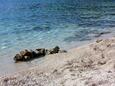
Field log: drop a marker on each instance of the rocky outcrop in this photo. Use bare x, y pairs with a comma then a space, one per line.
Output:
40, 52
24, 55
27, 55
53, 51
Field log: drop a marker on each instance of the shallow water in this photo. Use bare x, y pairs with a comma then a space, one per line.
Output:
32, 24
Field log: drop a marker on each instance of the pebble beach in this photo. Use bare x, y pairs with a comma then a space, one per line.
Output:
88, 65
57, 43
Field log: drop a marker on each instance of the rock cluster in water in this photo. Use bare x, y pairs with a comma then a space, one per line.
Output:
27, 55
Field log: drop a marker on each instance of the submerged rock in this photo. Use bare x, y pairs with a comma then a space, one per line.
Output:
40, 52
102, 33
24, 55
53, 51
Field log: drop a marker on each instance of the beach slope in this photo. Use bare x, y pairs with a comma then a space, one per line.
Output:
89, 65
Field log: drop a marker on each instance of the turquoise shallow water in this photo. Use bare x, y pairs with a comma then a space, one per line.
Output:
32, 24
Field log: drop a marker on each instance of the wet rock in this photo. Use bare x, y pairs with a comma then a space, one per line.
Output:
53, 51
27, 58
24, 55
47, 52
62, 51
30, 54
56, 49
33, 53
18, 57
40, 52
41, 28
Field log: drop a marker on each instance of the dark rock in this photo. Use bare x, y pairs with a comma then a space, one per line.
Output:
24, 55
53, 51
33, 53
56, 49
40, 52
27, 55
18, 57
47, 52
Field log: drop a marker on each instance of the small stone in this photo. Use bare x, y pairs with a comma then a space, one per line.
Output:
56, 49
99, 40
93, 84
109, 71
62, 51
55, 70
101, 62
108, 45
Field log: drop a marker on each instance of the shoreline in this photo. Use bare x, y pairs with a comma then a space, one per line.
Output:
12, 67
84, 62
38, 61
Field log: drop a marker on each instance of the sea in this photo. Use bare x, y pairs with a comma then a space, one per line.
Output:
31, 24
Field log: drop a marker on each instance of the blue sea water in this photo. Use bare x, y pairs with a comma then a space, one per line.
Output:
32, 24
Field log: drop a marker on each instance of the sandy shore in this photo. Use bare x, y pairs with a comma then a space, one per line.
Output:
88, 65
